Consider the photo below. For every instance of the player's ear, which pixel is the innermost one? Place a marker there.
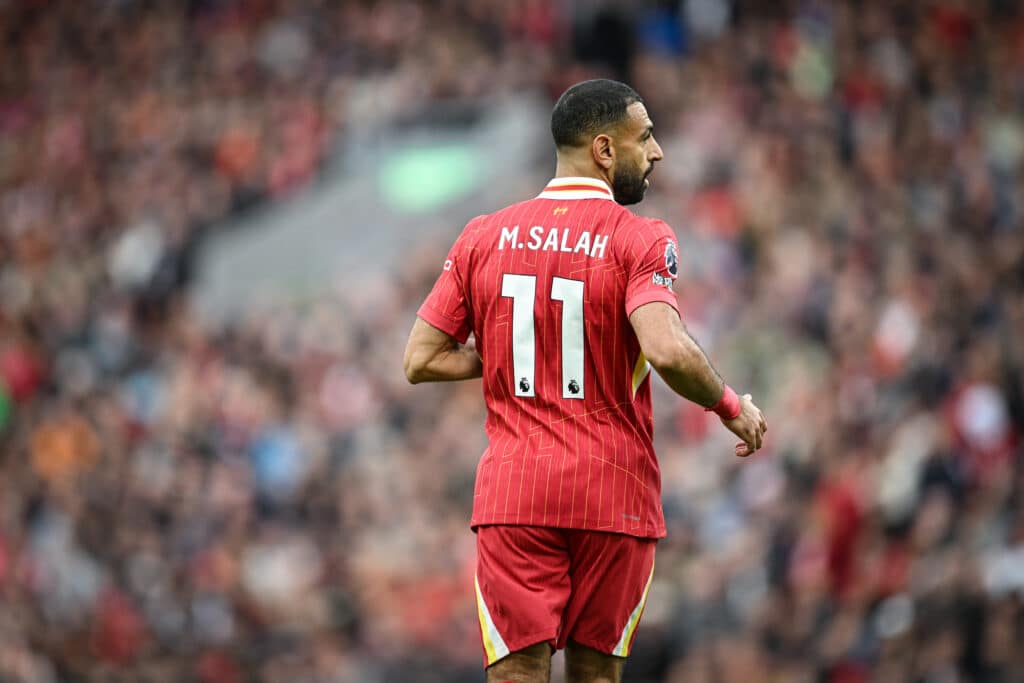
(603, 152)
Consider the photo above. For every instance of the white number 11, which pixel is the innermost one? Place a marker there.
(522, 289)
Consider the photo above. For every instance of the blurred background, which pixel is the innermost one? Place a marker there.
(218, 217)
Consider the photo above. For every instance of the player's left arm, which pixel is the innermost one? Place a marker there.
(435, 356)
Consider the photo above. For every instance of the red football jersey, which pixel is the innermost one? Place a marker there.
(547, 286)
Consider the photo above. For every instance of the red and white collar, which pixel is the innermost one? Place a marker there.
(576, 188)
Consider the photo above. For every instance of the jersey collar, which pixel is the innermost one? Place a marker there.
(576, 188)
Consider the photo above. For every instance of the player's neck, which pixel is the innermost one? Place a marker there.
(567, 169)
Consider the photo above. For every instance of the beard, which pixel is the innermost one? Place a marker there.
(629, 186)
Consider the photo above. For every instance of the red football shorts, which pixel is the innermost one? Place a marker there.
(538, 584)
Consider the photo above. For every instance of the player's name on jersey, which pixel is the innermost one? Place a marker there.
(539, 238)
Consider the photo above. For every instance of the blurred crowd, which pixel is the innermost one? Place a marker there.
(270, 502)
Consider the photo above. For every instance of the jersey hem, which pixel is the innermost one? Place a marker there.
(652, 533)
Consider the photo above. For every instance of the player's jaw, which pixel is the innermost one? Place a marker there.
(630, 184)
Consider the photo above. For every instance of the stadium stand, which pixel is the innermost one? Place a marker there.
(268, 501)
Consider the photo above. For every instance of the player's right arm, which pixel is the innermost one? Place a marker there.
(684, 366)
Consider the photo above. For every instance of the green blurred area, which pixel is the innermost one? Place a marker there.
(423, 179)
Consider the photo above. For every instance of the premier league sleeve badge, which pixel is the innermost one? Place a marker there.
(671, 259)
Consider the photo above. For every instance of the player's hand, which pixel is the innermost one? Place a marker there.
(749, 425)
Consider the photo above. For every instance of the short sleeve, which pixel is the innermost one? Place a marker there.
(447, 306)
(651, 258)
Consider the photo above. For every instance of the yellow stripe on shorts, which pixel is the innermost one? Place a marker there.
(494, 646)
(622, 649)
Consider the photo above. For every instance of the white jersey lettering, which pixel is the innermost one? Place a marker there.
(556, 239)
(510, 237)
(535, 233)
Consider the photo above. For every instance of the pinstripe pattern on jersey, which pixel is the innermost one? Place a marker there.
(551, 461)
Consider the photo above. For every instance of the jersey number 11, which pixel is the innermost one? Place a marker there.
(522, 289)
